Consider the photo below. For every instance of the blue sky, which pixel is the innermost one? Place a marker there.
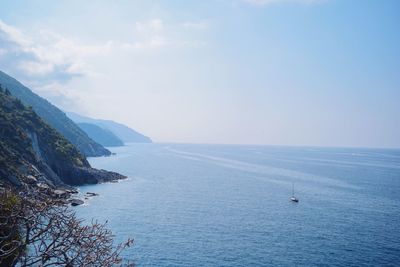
(282, 72)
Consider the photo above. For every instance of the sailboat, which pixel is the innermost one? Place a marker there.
(293, 198)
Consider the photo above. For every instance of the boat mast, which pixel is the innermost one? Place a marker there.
(292, 189)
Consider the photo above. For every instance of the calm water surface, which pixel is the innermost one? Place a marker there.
(220, 205)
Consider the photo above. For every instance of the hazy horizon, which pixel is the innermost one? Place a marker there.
(317, 73)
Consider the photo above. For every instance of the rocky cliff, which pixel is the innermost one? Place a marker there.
(122, 131)
(54, 117)
(102, 136)
(32, 152)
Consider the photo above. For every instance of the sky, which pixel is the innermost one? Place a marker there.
(273, 72)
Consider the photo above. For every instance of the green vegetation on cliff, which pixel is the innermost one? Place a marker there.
(26, 139)
(54, 116)
(32, 151)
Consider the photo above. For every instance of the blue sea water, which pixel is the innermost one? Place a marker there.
(227, 205)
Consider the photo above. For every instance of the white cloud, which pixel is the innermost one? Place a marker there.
(44, 59)
(268, 2)
(39, 68)
(14, 34)
(198, 25)
(153, 25)
(45, 53)
(150, 34)
(155, 33)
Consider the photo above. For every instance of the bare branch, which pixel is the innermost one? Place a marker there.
(37, 230)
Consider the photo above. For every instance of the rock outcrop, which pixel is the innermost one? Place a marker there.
(54, 117)
(32, 153)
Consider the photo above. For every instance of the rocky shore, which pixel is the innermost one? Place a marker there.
(34, 156)
(87, 175)
(66, 193)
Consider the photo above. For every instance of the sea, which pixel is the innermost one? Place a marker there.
(228, 205)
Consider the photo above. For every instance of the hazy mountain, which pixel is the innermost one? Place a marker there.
(54, 116)
(123, 132)
(102, 136)
(32, 152)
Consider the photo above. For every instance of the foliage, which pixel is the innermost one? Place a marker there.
(20, 126)
(53, 116)
(39, 231)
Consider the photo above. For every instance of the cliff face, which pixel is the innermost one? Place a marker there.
(100, 135)
(31, 151)
(122, 131)
(55, 117)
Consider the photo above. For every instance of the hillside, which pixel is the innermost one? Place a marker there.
(31, 151)
(122, 131)
(54, 116)
(100, 135)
